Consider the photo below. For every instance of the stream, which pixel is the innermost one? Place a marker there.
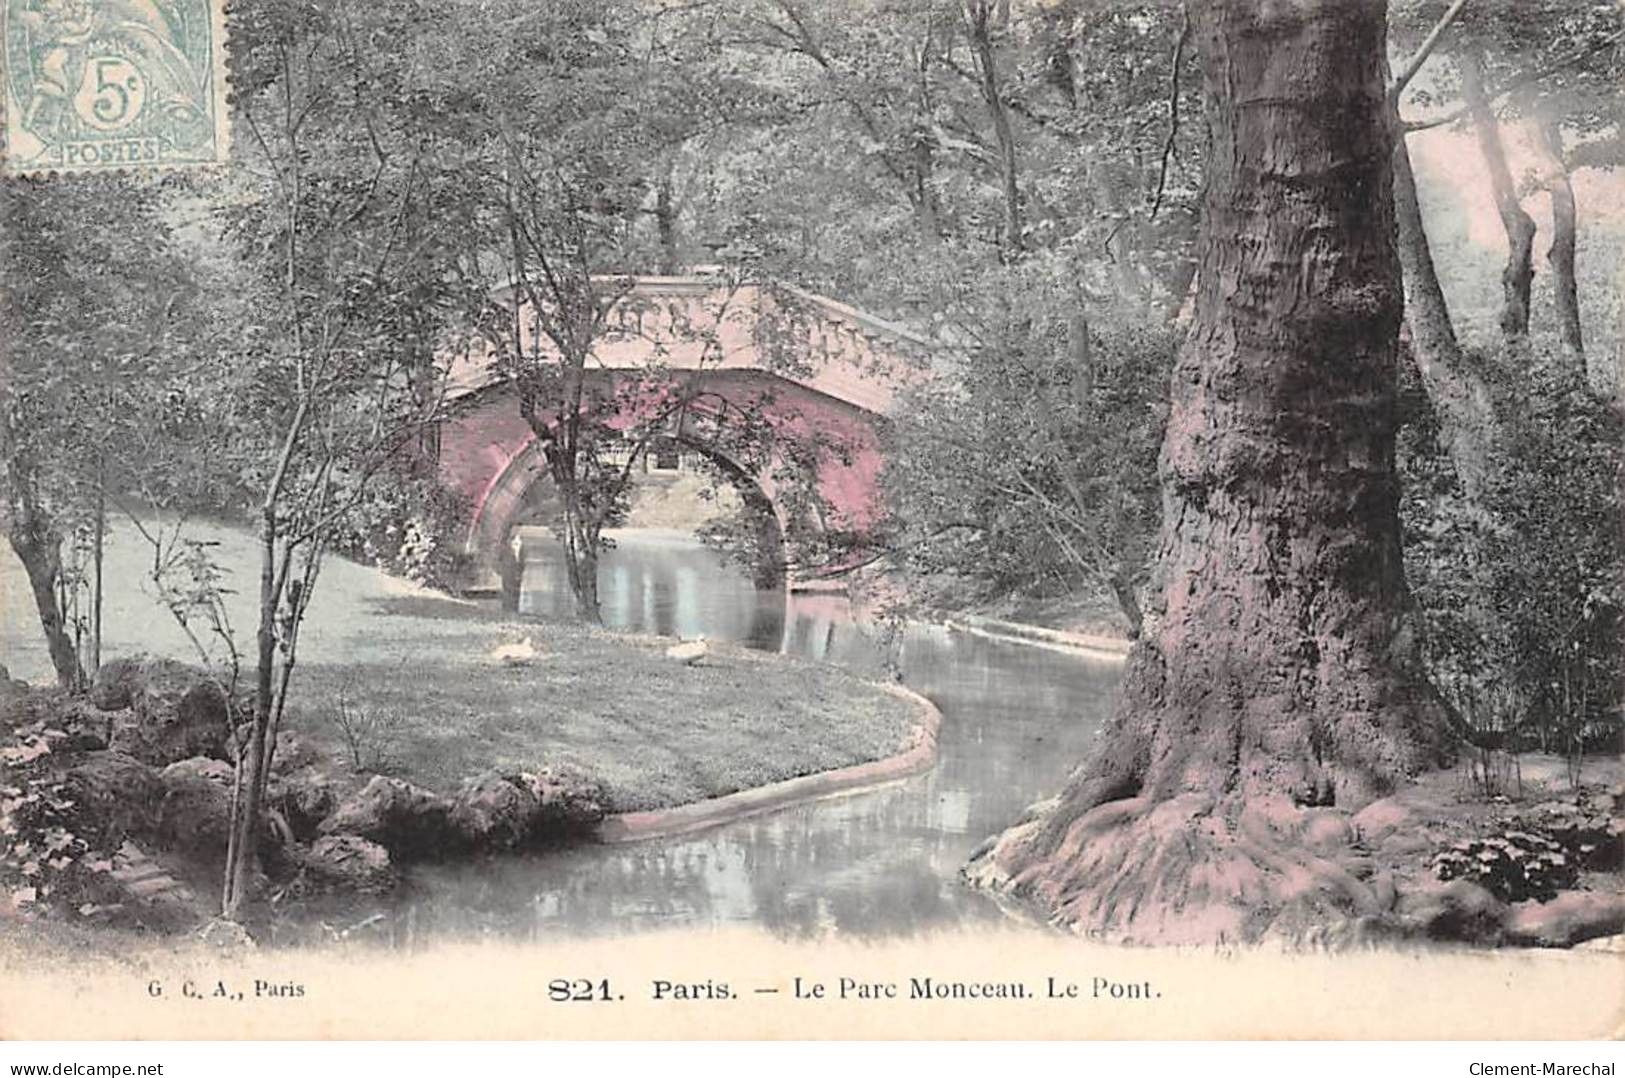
(881, 863)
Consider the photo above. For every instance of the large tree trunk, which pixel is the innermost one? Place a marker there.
(1519, 273)
(1281, 678)
(1460, 395)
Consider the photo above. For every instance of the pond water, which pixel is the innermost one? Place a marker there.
(873, 864)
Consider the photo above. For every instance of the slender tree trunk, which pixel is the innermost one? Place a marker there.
(98, 552)
(980, 15)
(245, 822)
(580, 541)
(1519, 273)
(1280, 678)
(584, 578)
(1128, 602)
(666, 222)
(1461, 397)
(1619, 339)
(1565, 225)
(927, 214)
(41, 555)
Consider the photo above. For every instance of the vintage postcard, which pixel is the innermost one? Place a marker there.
(898, 519)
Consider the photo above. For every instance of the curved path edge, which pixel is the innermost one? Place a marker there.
(919, 755)
(1109, 648)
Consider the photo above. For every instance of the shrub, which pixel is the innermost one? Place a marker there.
(370, 735)
(1033, 470)
(1522, 605)
(408, 524)
(1512, 866)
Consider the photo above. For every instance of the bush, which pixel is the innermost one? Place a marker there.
(409, 525)
(1033, 469)
(1522, 604)
(370, 734)
(1512, 866)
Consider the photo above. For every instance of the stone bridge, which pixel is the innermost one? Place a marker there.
(821, 375)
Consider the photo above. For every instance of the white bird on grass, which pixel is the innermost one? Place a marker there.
(520, 654)
(689, 652)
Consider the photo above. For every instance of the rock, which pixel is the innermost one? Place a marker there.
(1570, 918)
(1381, 818)
(195, 814)
(345, 863)
(10, 691)
(304, 798)
(1458, 910)
(226, 935)
(293, 753)
(116, 796)
(79, 727)
(569, 803)
(170, 711)
(494, 812)
(407, 820)
(116, 682)
(1325, 830)
(28, 706)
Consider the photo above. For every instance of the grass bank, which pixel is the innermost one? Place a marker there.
(430, 705)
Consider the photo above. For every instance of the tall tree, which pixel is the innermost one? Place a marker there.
(1553, 175)
(341, 213)
(1280, 674)
(93, 313)
(1519, 272)
(1457, 387)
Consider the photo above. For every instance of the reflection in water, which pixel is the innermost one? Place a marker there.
(880, 863)
(662, 582)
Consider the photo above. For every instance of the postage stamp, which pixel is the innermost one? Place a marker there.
(92, 85)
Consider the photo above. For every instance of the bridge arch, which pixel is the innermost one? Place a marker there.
(512, 494)
(830, 374)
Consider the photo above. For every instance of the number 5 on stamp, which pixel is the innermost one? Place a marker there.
(106, 84)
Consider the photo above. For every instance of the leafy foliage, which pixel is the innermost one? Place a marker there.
(407, 524)
(1034, 472)
(1513, 866)
(1524, 616)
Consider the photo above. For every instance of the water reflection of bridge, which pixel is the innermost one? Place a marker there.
(668, 584)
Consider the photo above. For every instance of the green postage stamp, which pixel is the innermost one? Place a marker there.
(92, 85)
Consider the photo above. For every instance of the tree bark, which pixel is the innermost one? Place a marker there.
(250, 764)
(1565, 224)
(979, 15)
(1281, 678)
(41, 555)
(1461, 397)
(98, 558)
(1619, 339)
(1122, 584)
(666, 222)
(1519, 273)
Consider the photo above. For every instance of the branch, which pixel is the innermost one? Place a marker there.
(1414, 64)
(1173, 109)
(1538, 75)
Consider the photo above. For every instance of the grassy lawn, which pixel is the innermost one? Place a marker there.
(416, 664)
